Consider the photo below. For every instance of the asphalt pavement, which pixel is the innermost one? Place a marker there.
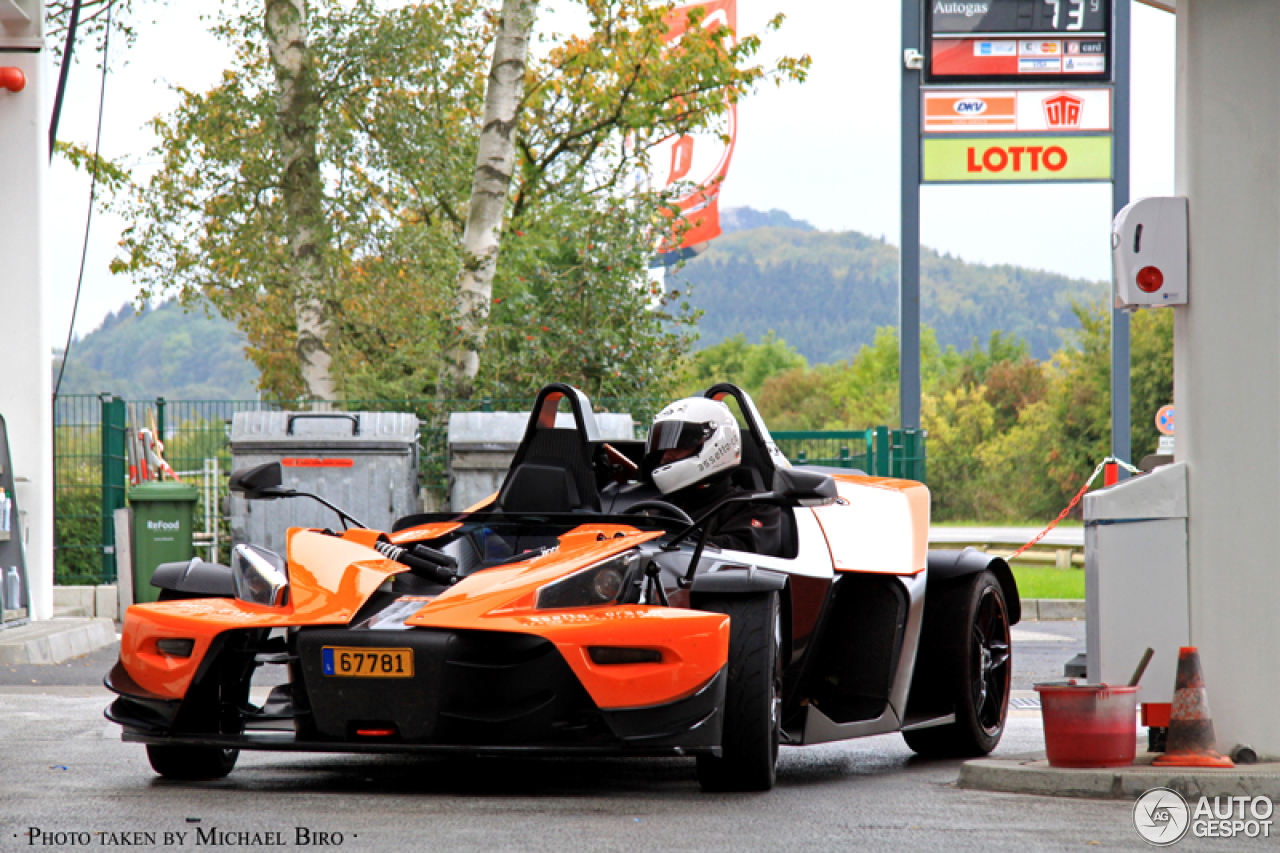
(69, 783)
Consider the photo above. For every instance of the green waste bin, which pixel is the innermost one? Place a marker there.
(162, 531)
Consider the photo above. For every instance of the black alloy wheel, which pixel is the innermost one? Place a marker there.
(990, 667)
(976, 671)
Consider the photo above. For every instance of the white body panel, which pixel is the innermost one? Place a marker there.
(878, 525)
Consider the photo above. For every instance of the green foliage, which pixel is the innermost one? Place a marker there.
(802, 399)
(1050, 422)
(113, 177)
(826, 293)
(78, 524)
(1150, 376)
(92, 29)
(746, 365)
(397, 125)
(1010, 438)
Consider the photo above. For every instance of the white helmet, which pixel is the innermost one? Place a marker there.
(706, 433)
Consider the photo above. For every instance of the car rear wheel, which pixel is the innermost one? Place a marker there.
(753, 697)
(191, 763)
(977, 664)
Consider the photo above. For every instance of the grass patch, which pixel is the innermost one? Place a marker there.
(1048, 582)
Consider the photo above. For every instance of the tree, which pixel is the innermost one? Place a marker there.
(306, 230)
(397, 116)
(735, 360)
(91, 23)
(492, 183)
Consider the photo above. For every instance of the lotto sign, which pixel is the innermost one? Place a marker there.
(1021, 111)
(1017, 159)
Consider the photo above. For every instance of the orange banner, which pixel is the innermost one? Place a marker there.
(702, 159)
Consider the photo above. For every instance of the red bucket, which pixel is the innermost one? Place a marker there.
(1089, 725)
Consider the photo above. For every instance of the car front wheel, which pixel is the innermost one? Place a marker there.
(753, 697)
(191, 763)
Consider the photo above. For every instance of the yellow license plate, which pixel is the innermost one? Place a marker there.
(352, 661)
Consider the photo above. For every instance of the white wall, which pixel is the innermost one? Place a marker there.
(1227, 356)
(25, 394)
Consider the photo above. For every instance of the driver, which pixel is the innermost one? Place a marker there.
(693, 447)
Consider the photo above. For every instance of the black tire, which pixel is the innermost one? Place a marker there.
(753, 697)
(191, 763)
(977, 669)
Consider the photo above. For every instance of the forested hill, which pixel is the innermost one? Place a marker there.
(165, 352)
(825, 293)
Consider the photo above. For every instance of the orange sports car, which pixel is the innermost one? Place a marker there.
(577, 612)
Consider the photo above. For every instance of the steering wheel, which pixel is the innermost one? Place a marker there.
(662, 507)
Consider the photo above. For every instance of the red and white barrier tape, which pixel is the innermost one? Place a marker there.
(1075, 500)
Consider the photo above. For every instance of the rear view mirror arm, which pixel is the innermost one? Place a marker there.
(342, 514)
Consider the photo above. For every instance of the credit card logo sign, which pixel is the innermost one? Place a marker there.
(970, 107)
(995, 48)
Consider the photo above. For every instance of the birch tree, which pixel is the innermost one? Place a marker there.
(494, 161)
(301, 189)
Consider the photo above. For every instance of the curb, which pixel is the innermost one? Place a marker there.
(1033, 775)
(1051, 609)
(55, 640)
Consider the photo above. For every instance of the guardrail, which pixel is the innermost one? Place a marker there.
(1063, 547)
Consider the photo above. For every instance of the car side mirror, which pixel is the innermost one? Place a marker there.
(260, 483)
(798, 487)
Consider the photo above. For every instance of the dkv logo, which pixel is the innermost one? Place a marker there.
(970, 106)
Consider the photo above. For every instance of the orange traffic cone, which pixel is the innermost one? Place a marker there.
(1191, 741)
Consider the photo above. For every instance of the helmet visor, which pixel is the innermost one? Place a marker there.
(670, 441)
(677, 435)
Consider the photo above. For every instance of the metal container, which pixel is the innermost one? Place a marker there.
(482, 445)
(365, 462)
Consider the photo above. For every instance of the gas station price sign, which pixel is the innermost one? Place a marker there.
(1029, 41)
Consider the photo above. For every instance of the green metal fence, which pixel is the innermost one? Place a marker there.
(80, 498)
(91, 466)
(90, 461)
(881, 451)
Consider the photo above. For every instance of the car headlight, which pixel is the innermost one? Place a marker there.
(603, 583)
(260, 575)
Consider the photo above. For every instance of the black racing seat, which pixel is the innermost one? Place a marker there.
(552, 469)
(755, 473)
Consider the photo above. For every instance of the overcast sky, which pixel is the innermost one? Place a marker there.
(826, 151)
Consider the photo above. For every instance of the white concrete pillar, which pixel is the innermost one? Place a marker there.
(1227, 357)
(25, 351)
